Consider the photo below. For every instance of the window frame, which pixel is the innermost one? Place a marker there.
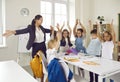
(53, 8)
(3, 24)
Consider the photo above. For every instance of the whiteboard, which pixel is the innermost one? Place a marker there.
(22, 42)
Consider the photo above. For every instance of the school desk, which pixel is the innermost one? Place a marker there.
(103, 67)
(10, 71)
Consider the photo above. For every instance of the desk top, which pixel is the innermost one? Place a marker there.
(105, 66)
(10, 71)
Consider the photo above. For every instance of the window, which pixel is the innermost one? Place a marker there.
(60, 13)
(57, 11)
(54, 11)
(2, 22)
(46, 12)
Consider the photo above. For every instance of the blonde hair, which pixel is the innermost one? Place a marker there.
(52, 43)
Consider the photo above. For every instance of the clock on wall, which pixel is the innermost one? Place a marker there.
(24, 12)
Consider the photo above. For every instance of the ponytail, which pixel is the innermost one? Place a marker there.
(33, 22)
(37, 17)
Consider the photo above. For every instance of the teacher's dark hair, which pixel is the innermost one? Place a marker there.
(37, 17)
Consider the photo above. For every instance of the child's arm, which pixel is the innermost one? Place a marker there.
(52, 32)
(58, 27)
(84, 30)
(90, 25)
(113, 32)
(57, 45)
(58, 38)
(98, 32)
(75, 27)
(70, 30)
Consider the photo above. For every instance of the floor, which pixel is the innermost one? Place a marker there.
(77, 77)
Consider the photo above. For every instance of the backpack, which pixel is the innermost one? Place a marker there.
(36, 66)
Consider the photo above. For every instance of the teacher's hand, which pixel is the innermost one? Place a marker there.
(9, 33)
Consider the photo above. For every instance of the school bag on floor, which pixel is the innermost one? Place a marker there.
(36, 66)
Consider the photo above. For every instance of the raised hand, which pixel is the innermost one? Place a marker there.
(90, 22)
(77, 21)
(80, 23)
(113, 31)
(58, 26)
(68, 24)
(52, 28)
(112, 22)
(97, 23)
(111, 25)
(59, 36)
(90, 25)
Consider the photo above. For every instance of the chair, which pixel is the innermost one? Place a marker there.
(58, 71)
(44, 63)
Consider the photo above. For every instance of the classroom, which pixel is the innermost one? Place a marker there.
(59, 40)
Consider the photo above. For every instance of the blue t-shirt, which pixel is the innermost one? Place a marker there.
(94, 47)
(79, 45)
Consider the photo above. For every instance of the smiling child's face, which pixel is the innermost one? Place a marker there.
(79, 33)
(106, 37)
(65, 34)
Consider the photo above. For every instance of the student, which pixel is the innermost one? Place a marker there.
(108, 43)
(94, 48)
(53, 46)
(37, 35)
(79, 34)
(65, 42)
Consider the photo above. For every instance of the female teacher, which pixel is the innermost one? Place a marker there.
(37, 35)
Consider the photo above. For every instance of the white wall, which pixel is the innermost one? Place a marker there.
(15, 20)
(77, 9)
(107, 8)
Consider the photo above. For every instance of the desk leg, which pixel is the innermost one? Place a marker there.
(100, 78)
(73, 69)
